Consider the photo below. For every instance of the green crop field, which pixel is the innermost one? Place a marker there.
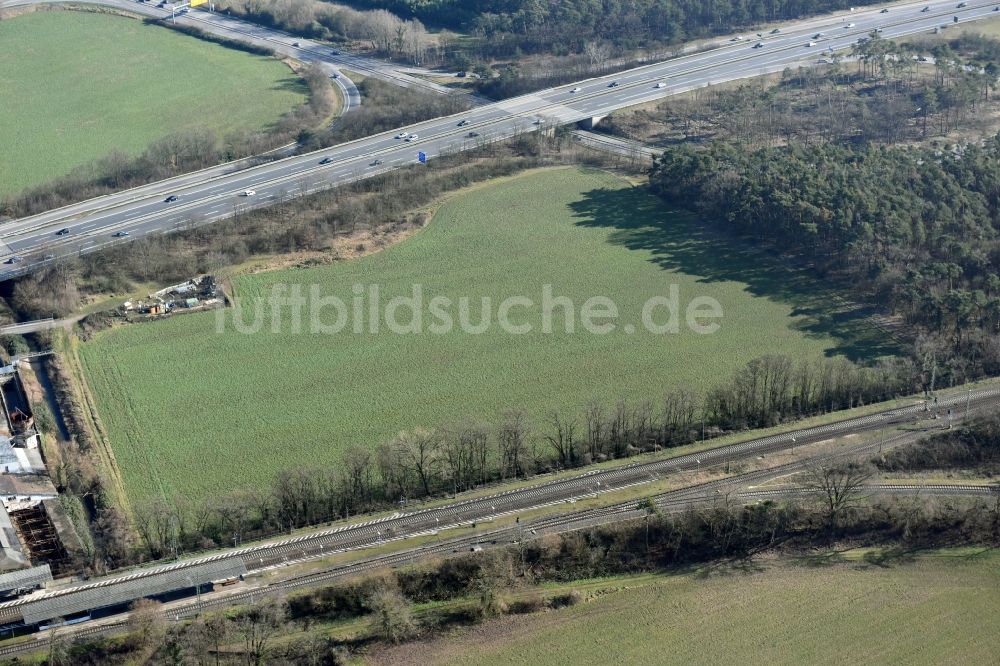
(939, 609)
(74, 86)
(190, 410)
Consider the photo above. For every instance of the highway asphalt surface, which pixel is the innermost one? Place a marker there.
(30, 242)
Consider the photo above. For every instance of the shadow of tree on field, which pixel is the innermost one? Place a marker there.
(678, 241)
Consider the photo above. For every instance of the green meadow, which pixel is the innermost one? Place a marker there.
(191, 410)
(75, 86)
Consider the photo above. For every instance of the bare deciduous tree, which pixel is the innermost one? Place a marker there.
(561, 439)
(512, 438)
(147, 622)
(256, 625)
(840, 485)
(598, 53)
(419, 452)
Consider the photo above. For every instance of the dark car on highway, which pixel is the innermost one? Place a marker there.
(172, 198)
(120, 234)
(62, 232)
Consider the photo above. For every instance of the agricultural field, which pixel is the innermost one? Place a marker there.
(938, 609)
(190, 409)
(75, 86)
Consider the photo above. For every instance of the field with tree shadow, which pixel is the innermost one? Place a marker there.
(680, 241)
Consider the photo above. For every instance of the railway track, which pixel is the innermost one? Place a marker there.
(702, 494)
(965, 490)
(426, 521)
(709, 492)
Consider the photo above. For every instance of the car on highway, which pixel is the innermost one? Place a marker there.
(412, 137)
(463, 123)
(401, 135)
(375, 163)
(808, 44)
(172, 198)
(737, 38)
(48, 257)
(472, 135)
(759, 45)
(296, 44)
(14, 260)
(776, 31)
(63, 232)
(247, 193)
(848, 26)
(963, 5)
(613, 84)
(120, 234)
(926, 9)
(817, 35)
(576, 90)
(661, 84)
(884, 11)
(326, 160)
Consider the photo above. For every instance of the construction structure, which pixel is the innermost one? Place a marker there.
(29, 509)
(36, 530)
(197, 293)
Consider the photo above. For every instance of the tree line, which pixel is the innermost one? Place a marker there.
(914, 228)
(427, 463)
(564, 26)
(385, 33)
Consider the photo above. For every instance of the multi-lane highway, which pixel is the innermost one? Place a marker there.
(30, 242)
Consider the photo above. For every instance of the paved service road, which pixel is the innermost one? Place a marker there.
(35, 241)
